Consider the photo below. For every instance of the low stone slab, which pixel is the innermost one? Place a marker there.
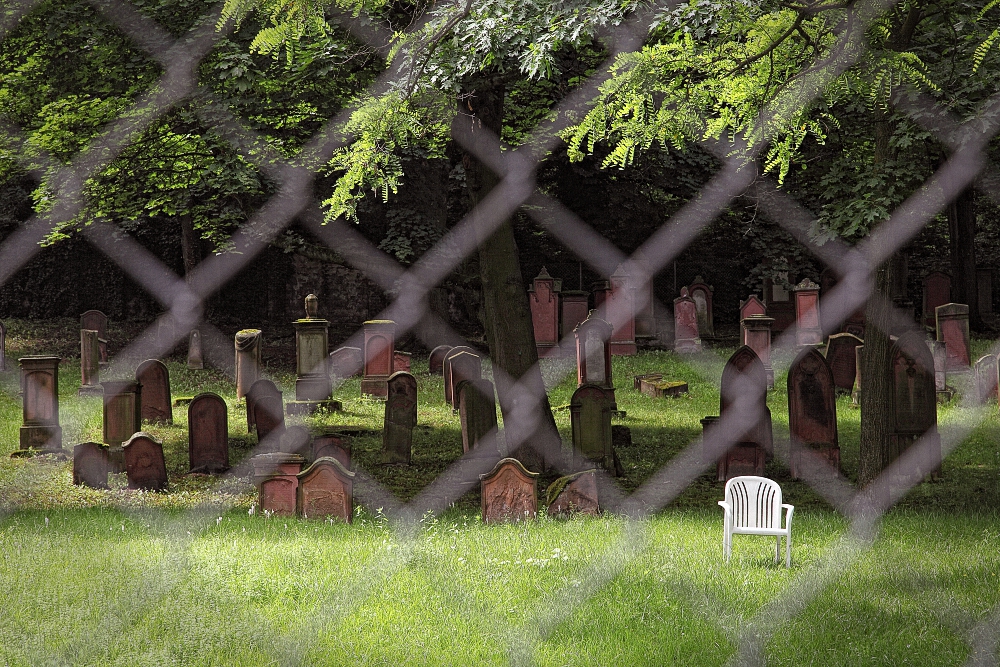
(637, 380)
(663, 388)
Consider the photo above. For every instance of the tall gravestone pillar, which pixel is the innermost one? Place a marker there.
(752, 306)
(312, 383)
(122, 418)
(380, 345)
(196, 356)
(620, 310)
(248, 349)
(807, 327)
(40, 428)
(544, 301)
(90, 366)
(758, 339)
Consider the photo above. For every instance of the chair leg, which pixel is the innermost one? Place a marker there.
(777, 549)
(788, 550)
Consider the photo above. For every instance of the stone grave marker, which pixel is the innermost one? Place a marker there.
(208, 434)
(701, 293)
(477, 411)
(509, 492)
(645, 299)
(154, 378)
(449, 388)
(984, 290)
(400, 418)
(332, 444)
(986, 378)
(312, 382)
(914, 411)
(40, 428)
(686, 338)
(807, 326)
(380, 345)
(812, 414)
(600, 290)
(779, 301)
(937, 292)
(841, 356)
(435, 365)
(90, 366)
(262, 387)
(90, 465)
(462, 366)
(269, 420)
(3, 347)
(590, 416)
(276, 477)
(744, 376)
(757, 330)
(248, 359)
(593, 354)
(939, 351)
(953, 328)
(660, 388)
(544, 301)
(196, 356)
(95, 320)
(326, 489)
(651, 377)
(295, 440)
(122, 417)
(145, 466)
(752, 306)
(347, 362)
(573, 494)
(401, 361)
(620, 309)
(574, 309)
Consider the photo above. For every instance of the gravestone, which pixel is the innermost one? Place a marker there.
(145, 466)
(841, 357)
(744, 378)
(812, 415)
(295, 440)
(752, 306)
(276, 477)
(953, 328)
(477, 411)
(449, 388)
(40, 428)
(95, 320)
(660, 388)
(401, 361)
(590, 416)
(90, 465)
(435, 364)
(593, 354)
(258, 389)
(939, 351)
(3, 347)
(600, 291)
(620, 310)
(984, 290)
(780, 304)
(757, 330)
(269, 420)
(574, 309)
(166, 334)
(702, 296)
(686, 338)
(509, 492)
(248, 359)
(986, 378)
(937, 292)
(90, 366)
(208, 434)
(312, 382)
(122, 417)
(544, 302)
(400, 418)
(573, 494)
(347, 362)
(652, 377)
(154, 378)
(807, 326)
(332, 444)
(914, 409)
(380, 344)
(645, 299)
(196, 356)
(326, 489)
(462, 366)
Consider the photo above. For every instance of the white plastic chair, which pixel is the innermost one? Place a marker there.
(753, 507)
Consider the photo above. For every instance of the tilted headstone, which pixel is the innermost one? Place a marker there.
(380, 344)
(208, 434)
(154, 378)
(914, 409)
(90, 366)
(258, 389)
(334, 445)
(544, 302)
(435, 364)
(400, 418)
(842, 359)
(743, 378)
(312, 381)
(937, 292)
(462, 366)
(986, 378)
(276, 477)
(757, 331)
(953, 328)
(90, 465)
(686, 336)
(812, 415)
(3, 347)
(574, 309)
(326, 489)
(449, 388)
(477, 411)
(807, 326)
(573, 494)
(196, 356)
(40, 428)
(984, 290)
(590, 416)
(620, 311)
(347, 362)
(145, 466)
(122, 417)
(509, 492)
(752, 306)
(95, 320)
(248, 359)
(701, 293)
(401, 361)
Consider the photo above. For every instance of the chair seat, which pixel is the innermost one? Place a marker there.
(759, 531)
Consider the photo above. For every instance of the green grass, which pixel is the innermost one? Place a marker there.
(191, 577)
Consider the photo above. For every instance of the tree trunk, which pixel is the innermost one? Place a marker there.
(507, 315)
(962, 230)
(190, 244)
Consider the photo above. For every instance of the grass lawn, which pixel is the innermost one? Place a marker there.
(194, 577)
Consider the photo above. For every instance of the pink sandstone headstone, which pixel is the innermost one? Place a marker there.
(248, 345)
(477, 411)
(574, 494)
(986, 378)
(380, 345)
(40, 428)
(752, 306)
(90, 465)
(509, 492)
(686, 338)
(401, 361)
(97, 321)
(277, 481)
(620, 311)
(953, 328)
(400, 418)
(90, 367)
(332, 444)
(208, 434)
(449, 387)
(435, 363)
(937, 292)
(757, 330)
(145, 466)
(807, 327)
(744, 378)
(702, 295)
(914, 412)
(544, 302)
(122, 417)
(462, 366)
(154, 378)
(842, 359)
(812, 415)
(326, 489)
(574, 309)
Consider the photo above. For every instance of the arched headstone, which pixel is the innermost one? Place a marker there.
(914, 402)
(462, 366)
(326, 489)
(812, 415)
(154, 378)
(400, 418)
(435, 364)
(509, 492)
(145, 466)
(477, 411)
(90, 465)
(841, 356)
(744, 378)
(208, 434)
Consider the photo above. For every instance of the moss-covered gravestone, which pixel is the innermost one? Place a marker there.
(573, 494)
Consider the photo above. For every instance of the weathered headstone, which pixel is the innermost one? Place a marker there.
(326, 489)
(90, 465)
(401, 361)
(196, 356)
(914, 411)
(347, 362)
(509, 492)
(842, 359)
(145, 466)
(600, 291)
(248, 359)
(645, 299)
(544, 302)
(3, 347)
(752, 306)
(276, 478)
(312, 382)
(701, 293)
(262, 387)
(400, 418)
(380, 343)
(208, 434)
(90, 366)
(154, 378)
(573, 494)
(744, 379)
(939, 351)
(122, 417)
(95, 320)
(757, 331)
(986, 378)
(269, 420)
(462, 366)
(477, 411)
(812, 415)
(574, 309)
(435, 364)
(449, 388)
(780, 304)
(807, 326)
(40, 428)
(295, 440)
(686, 338)
(334, 445)
(937, 292)
(660, 388)
(953, 328)
(593, 354)
(984, 290)
(620, 310)
(590, 416)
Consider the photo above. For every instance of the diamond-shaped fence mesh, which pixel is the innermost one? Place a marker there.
(183, 300)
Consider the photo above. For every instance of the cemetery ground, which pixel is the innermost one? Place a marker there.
(192, 576)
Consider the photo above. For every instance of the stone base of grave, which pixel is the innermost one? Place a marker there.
(309, 407)
(662, 388)
(652, 377)
(41, 438)
(377, 387)
(90, 390)
(623, 349)
(687, 345)
(945, 395)
(276, 478)
(822, 459)
(28, 453)
(310, 388)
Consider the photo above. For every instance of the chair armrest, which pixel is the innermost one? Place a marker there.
(726, 507)
(789, 510)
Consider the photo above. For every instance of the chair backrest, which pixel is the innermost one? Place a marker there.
(756, 502)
